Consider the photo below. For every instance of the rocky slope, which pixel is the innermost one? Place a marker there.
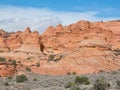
(82, 47)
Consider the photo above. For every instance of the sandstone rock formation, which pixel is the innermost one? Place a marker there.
(85, 47)
(111, 25)
(6, 69)
(26, 41)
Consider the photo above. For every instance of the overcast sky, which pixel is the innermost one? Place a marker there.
(39, 14)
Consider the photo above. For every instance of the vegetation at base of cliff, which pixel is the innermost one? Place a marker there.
(6, 84)
(118, 82)
(78, 81)
(98, 81)
(21, 78)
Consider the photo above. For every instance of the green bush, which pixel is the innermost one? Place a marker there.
(101, 84)
(2, 59)
(72, 86)
(118, 83)
(38, 64)
(9, 78)
(9, 60)
(14, 62)
(6, 84)
(21, 78)
(68, 84)
(28, 69)
(34, 79)
(82, 80)
(75, 87)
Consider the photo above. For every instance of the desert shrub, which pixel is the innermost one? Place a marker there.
(51, 57)
(9, 78)
(38, 64)
(113, 72)
(21, 78)
(82, 80)
(14, 62)
(6, 84)
(68, 84)
(28, 69)
(2, 59)
(9, 60)
(68, 73)
(34, 79)
(101, 84)
(75, 87)
(72, 86)
(74, 73)
(118, 83)
(26, 88)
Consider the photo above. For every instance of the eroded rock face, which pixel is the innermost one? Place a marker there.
(30, 42)
(85, 47)
(3, 46)
(13, 42)
(82, 33)
(111, 25)
(50, 31)
(6, 69)
(26, 41)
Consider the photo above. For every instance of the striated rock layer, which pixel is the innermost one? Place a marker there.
(83, 47)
